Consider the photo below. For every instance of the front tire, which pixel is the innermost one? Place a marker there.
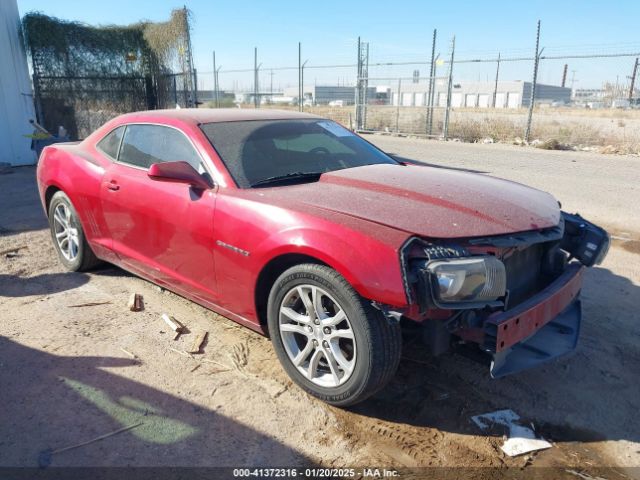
(67, 235)
(330, 340)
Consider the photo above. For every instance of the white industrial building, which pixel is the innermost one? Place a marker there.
(324, 94)
(16, 100)
(508, 94)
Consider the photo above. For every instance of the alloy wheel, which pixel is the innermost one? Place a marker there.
(65, 233)
(317, 335)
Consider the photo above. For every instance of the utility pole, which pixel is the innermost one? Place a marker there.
(633, 80)
(495, 86)
(532, 98)
(564, 75)
(447, 113)
(430, 93)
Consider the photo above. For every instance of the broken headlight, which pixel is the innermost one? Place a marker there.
(584, 240)
(467, 282)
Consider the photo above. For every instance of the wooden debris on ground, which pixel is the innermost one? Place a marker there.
(101, 437)
(136, 302)
(197, 342)
(88, 304)
(13, 250)
(132, 355)
(174, 325)
(181, 352)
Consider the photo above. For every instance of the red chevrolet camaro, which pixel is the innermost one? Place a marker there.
(294, 226)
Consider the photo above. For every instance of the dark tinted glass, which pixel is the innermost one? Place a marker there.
(110, 143)
(144, 145)
(259, 149)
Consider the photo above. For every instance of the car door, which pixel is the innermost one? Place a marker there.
(161, 230)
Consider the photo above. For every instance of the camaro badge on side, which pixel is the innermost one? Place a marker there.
(231, 247)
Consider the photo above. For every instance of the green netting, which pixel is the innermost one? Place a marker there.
(84, 75)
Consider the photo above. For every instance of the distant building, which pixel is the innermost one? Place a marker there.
(508, 94)
(324, 94)
(588, 94)
(209, 95)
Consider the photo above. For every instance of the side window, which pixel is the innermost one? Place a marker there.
(111, 142)
(144, 145)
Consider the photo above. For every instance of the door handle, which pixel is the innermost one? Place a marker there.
(113, 186)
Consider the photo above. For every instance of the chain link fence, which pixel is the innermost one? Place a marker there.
(583, 97)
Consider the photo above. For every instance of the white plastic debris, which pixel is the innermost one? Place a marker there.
(521, 439)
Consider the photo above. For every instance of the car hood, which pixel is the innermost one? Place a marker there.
(425, 201)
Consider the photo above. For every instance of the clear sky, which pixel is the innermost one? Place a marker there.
(396, 31)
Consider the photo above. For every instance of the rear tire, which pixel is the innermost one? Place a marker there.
(333, 344)
(68, 236)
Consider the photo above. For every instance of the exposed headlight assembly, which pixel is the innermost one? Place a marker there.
(471, 282)
(584, 240)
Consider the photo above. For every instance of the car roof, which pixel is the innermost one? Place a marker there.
(213, 115)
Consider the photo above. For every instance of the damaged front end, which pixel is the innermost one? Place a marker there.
(516, 296)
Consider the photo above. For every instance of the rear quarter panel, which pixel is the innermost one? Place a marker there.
(78, 173)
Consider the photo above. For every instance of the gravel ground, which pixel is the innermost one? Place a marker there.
(69, 374)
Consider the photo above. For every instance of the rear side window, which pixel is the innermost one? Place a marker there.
(111, 143)
(144, 145)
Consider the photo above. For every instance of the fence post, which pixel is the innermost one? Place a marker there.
(495, 88)
(175, 91)
(633, 81)
(362, 84)
(195, 88)
(37, 100)
(357, 90)
(300, 76)
(432, 73)
(215, 81)
(532, 99)
(447, 113)
(398, 100)
(302, 84)
(256, 102)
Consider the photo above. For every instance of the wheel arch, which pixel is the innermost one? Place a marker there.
(269, 274)
(48, 195)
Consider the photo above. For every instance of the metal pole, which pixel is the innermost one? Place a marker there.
(633, 80)
(195, 88)
(189, 55)
(564, 75)
(532, 99)
(271, 87)
(447, 113)
(365, 88)
(357, 92)
(255, 77)
(215, 81)
(302, 85)
(299, 76)
(398, 100)
(175, 90)
(218, 86)
(431, 84)
(495, 87)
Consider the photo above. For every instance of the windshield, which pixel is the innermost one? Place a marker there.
(258, 151)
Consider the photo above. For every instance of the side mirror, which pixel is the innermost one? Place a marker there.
(178, 172)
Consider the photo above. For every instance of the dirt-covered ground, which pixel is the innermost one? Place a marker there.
(70, 374)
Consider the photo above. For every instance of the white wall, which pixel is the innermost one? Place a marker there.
(16, 100)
